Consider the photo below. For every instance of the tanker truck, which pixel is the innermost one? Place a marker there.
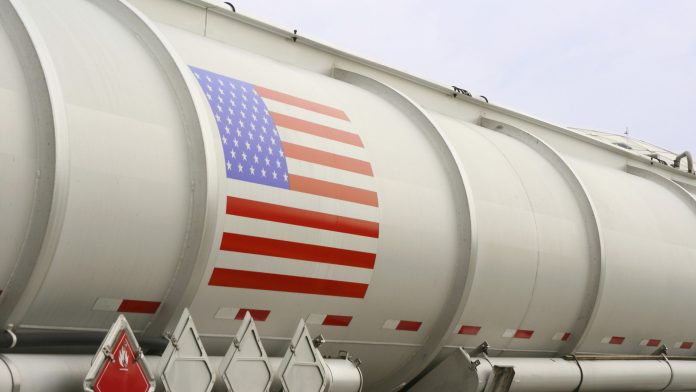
(210, 202)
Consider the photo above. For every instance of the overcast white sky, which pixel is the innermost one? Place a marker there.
(595, 64)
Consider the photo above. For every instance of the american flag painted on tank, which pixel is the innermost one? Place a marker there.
(302, 210)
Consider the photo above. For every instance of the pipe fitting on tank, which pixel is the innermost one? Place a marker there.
(689, 161)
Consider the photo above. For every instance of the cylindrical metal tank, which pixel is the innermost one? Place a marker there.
(159, 154)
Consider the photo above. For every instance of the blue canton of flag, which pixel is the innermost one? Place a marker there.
(250, 139)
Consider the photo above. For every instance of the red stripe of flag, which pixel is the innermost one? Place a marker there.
(256, 314)
(293, 284)
(339, 321)
(315, 129)
(405, 325)
(299, 217)
(135, 306)
(332, 190)
(523, 334)
(301, 103)
(327, 159)
(296, 250)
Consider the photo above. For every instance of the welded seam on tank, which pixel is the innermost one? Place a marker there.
(203, 200)
(30, 271)
(534, 219)
(456, 301)
(590, 219)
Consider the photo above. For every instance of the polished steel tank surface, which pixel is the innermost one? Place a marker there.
(157, 155)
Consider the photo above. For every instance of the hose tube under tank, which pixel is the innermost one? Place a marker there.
(459, 372)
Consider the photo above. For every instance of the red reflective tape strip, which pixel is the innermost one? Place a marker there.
(617, 340)
(300, 217)
(327, 159)
(332, 190)
(340, 321)
(135, 306)
(523, 334)
(293, 284)
(315, 129)
(686, 345)
(256, 314)
(301, 103)
(296, 250)
(408, 325)
(468, 330)
(653, 342)
(565, 337)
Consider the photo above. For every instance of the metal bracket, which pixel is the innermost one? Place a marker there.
(481, 349)
(235, 342)
(459, 90)
(356, 361)
(170, 336)
(108, 353)
(656, 157)
(662, 350)
(343, 354)
(318, 341)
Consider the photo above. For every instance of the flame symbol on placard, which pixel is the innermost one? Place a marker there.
(123, 358)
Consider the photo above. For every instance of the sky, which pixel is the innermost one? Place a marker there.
(606, 65)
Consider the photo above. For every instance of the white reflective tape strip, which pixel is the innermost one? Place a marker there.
(391, 324)
(606, 339)
(509, 333)
(107, 304)
(291, 267)
(644, 342)
(300, 234)
(227, 313)
(305, 201)
(315, 318)
(558, 336)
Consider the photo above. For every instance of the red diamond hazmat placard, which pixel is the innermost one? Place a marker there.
(118, 365)
(124, 373)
